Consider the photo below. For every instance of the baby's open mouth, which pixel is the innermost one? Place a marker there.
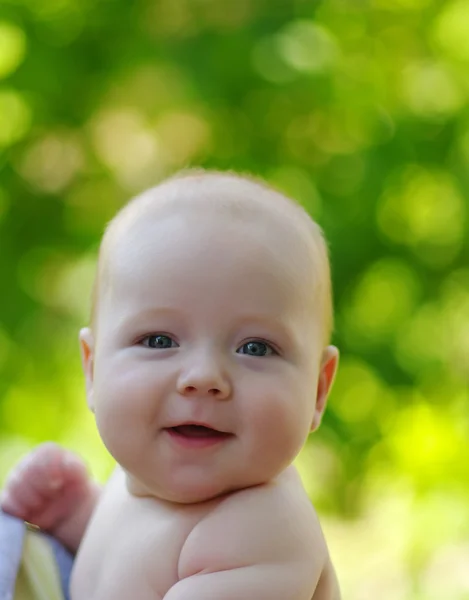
(198, 431)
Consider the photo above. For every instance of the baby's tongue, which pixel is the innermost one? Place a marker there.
(196, 431)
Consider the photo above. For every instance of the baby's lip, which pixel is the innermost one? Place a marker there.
(197, 427)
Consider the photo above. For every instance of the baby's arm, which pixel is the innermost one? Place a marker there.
(257, 548)
(52, 489)
(266, 582)
(262, 582)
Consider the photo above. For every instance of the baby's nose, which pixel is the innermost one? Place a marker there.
(207, 379)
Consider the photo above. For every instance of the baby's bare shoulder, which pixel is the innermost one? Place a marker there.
(269, 524)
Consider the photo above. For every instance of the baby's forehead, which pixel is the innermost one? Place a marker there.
(214, 205)
(218, 203)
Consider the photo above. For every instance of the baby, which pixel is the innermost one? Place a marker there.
(207, 364)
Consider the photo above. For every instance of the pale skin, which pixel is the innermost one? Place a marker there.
(205, 373)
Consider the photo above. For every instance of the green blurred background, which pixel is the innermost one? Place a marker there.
(358, 108)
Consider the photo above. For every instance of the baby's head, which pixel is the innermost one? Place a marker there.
(207, 359)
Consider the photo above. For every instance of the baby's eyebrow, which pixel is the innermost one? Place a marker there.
(160, 311)
(277, 325)
(149, 314)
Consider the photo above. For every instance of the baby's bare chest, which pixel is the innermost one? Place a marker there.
(131, 551)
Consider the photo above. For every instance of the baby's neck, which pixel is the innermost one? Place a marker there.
(139, 489)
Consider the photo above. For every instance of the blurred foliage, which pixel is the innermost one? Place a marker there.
(356, 108)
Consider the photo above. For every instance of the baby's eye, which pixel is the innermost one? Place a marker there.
(159, 341)
(256, 348)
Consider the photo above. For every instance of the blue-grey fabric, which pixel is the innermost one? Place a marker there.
(64, 562)
(11, 547)
(12, 532)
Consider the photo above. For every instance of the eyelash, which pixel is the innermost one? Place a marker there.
(272, 350)
(146, 338)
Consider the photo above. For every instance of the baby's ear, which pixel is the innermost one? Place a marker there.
(329, 362)
(87, 359)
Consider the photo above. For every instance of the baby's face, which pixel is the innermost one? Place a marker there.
(207, 355)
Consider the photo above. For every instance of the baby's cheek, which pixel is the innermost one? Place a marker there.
(130, 396)
(122, 382)
(279, 419)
